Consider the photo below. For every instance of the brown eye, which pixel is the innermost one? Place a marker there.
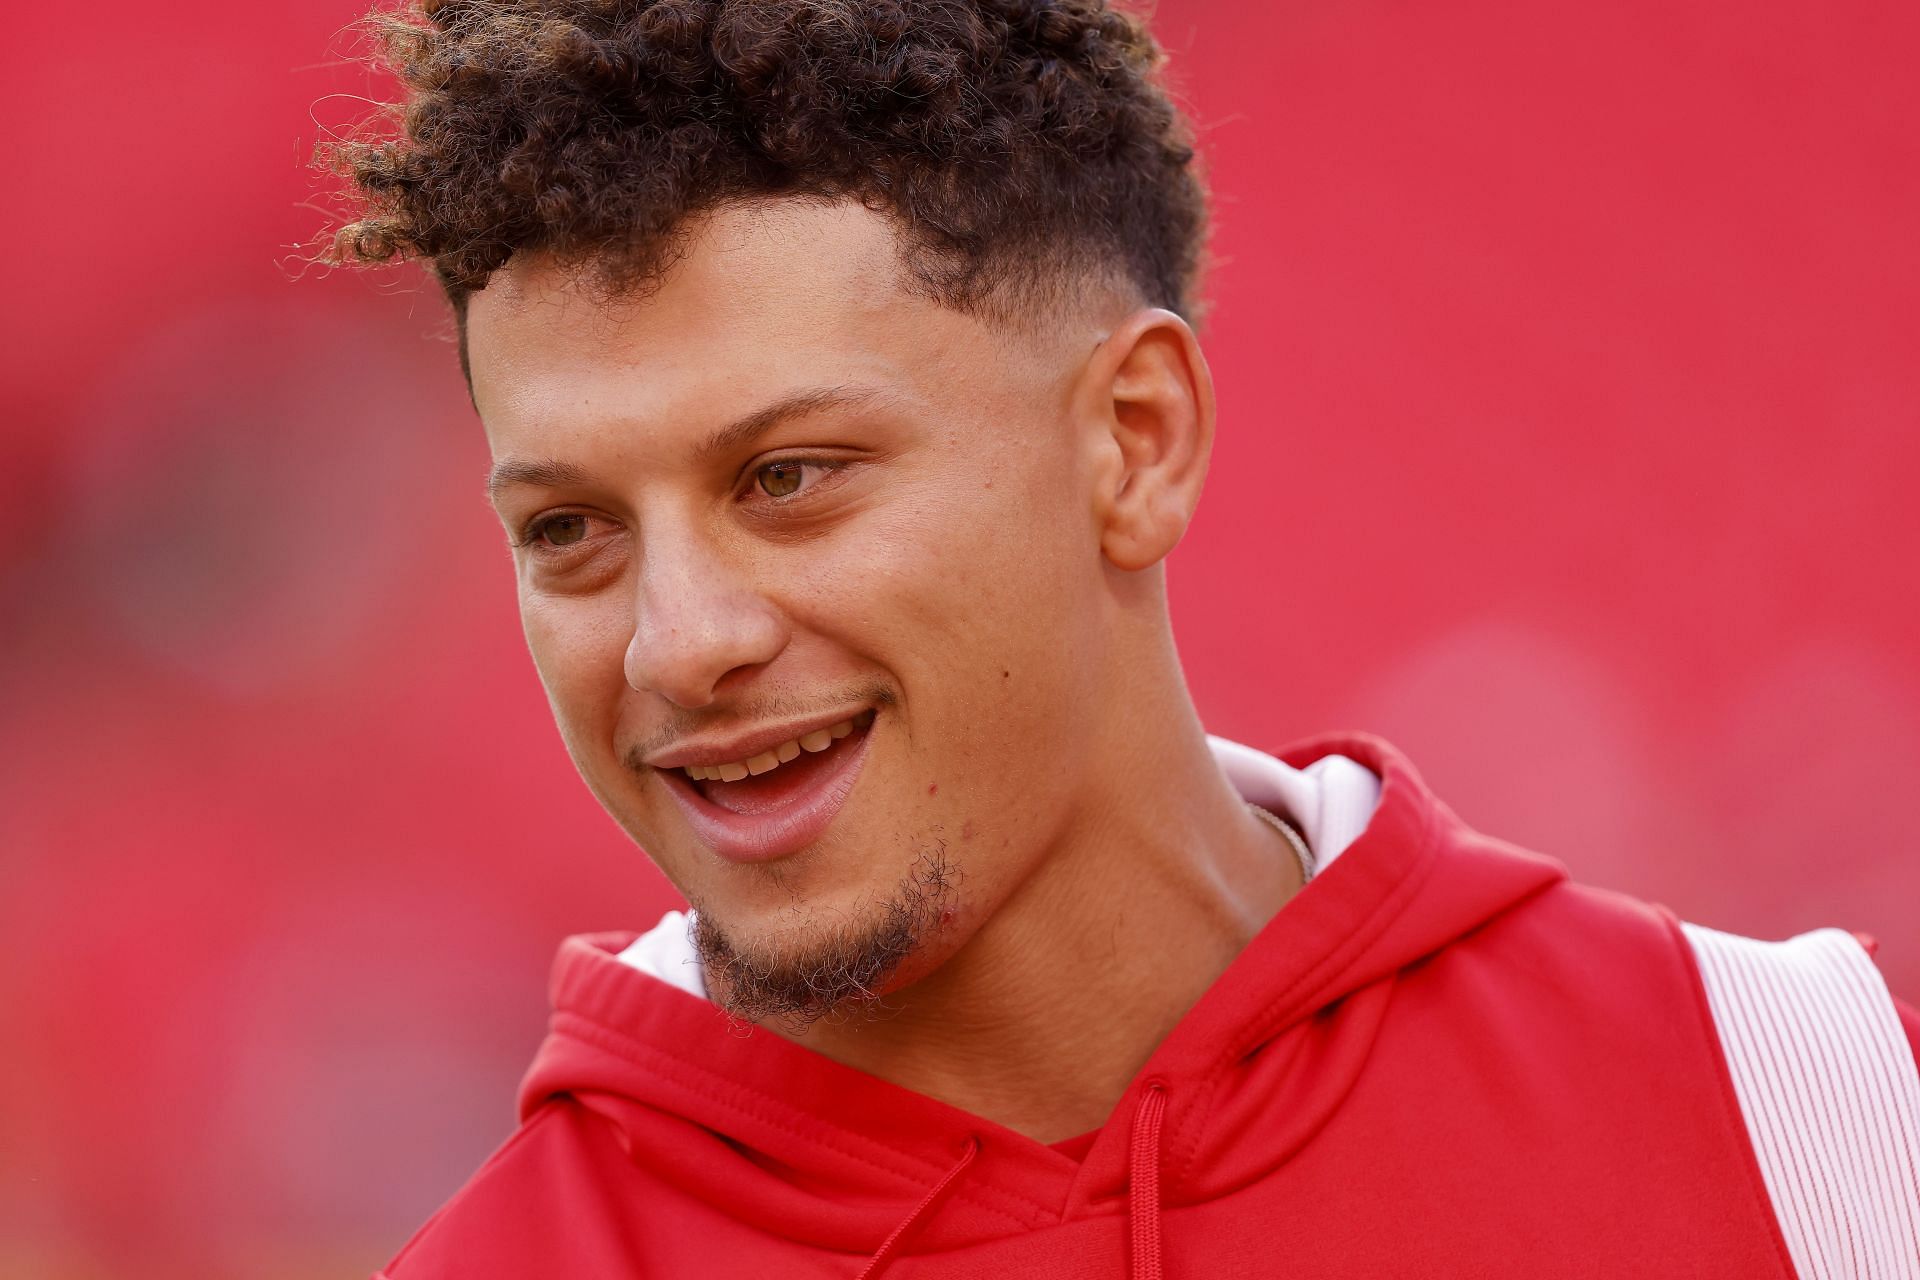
(779, 479)
(559, 531)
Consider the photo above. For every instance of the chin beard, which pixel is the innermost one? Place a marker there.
(840, 973)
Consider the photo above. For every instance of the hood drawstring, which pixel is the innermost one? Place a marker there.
(890, 1247)
(1143, 1183)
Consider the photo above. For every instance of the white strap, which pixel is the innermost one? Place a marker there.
(1828, 1088)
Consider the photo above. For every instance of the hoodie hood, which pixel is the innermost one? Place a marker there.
(769, 1133)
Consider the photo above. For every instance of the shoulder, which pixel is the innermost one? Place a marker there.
(520, 1213)
(1596, 965)
(1756, 995)
(1822, 1061)
(1602, 941)
(1817, 1063)
(1809, 1006)
(1595, 954)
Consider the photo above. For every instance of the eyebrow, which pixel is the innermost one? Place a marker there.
(745, 430)
(547, 472)
(742, 431)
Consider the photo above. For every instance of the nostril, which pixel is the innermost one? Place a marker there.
(689, 650)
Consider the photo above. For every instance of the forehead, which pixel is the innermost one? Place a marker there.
(766, 296)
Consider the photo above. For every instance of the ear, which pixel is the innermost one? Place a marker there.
(1146, 401)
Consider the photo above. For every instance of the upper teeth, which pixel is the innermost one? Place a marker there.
(818, 740)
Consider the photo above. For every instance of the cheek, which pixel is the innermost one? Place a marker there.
(578, 647)
(1012, 584)
(945, 577)
(982, 603)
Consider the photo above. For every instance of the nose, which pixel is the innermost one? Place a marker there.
(697, 618)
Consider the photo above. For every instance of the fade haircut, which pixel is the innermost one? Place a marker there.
(1021, 147)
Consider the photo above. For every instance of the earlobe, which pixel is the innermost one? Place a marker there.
(1148, 398)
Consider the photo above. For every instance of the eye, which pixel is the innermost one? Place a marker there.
(562, 529)
(785, 478)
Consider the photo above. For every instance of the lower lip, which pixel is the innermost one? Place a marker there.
(762, 837)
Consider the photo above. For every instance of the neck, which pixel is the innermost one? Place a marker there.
(1054, 1004)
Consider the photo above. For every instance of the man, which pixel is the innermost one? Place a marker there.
(842, 409)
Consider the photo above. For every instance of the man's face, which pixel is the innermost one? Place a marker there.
(782, 512)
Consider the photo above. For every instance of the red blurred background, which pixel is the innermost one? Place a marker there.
(1569, 383)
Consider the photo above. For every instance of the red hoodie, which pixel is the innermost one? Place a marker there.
(1440, 1058)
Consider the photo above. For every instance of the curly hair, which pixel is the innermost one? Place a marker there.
(1017, 144)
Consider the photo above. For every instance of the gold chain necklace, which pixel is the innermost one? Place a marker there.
(1294, 839)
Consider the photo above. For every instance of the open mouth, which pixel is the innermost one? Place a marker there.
(777, 801)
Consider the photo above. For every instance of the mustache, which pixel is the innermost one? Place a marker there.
(773, 707)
